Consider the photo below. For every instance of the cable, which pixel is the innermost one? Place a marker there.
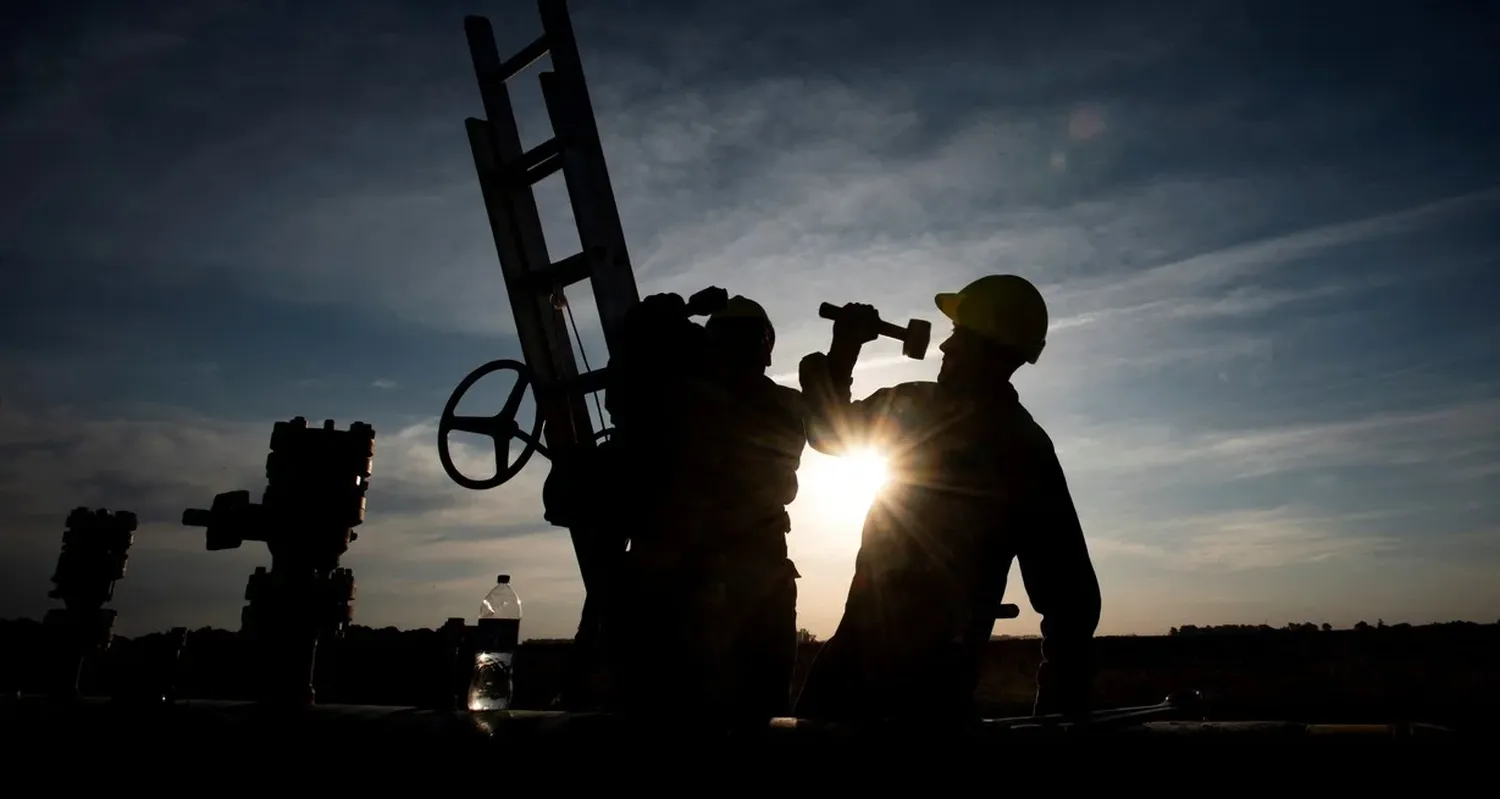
(561, 300)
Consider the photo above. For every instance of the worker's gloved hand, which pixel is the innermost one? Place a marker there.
(856, 324)
(664, 305)
(707, 301)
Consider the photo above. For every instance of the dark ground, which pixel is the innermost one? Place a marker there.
(1445, 674)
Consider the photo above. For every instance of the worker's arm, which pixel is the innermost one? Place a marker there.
(656, 313)
(1064, 590)
(834, 423)
(789, 438)
(641, 331)
(826, 402)
(656, 335)
(655, 310)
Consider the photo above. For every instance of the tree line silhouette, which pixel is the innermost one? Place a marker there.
(1310, 627)
(1445, 673)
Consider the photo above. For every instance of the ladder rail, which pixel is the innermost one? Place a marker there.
(586, 171)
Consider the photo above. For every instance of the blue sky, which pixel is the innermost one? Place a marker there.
(1266, 231)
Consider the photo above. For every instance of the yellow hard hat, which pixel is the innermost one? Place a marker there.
(1006, 309)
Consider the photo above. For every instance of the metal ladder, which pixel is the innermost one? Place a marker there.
(507, 175)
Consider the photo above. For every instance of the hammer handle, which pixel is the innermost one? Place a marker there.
(830, 311)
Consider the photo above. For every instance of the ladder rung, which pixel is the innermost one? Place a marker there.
(518, 63)
(573, 269)
(589, 382)
(540, 162)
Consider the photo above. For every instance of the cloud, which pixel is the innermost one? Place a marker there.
(1262, 538)
(1268, 277)
(798, 184)
(1444, 438)
(1157, 289)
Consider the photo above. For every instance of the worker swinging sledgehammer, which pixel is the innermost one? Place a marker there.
(975, 484)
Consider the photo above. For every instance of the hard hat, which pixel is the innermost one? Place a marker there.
(1006, 309)
(740, 307)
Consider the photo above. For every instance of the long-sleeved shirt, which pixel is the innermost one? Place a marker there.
(709, 460)
(975, 484)
(743, 445)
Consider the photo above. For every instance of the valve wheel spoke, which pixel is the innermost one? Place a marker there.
(512, 404)
(488, 426)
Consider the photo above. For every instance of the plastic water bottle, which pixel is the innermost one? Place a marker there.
(499, 634)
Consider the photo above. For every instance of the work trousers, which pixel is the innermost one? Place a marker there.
(762, 618)
(899, 654)
(720, 643)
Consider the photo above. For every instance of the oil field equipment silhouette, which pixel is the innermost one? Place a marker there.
(95, 547)
(317, 479)
(315, 497)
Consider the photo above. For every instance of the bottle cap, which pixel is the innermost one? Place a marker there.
(503, 579)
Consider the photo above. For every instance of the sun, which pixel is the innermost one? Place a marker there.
(843, 487)
(860, 476)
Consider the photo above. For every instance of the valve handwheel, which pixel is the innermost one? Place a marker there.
(500, 428)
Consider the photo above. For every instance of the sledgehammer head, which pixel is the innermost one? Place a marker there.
(918, 336)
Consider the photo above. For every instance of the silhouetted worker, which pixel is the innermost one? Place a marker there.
(623, 488)
(975, 483)
(706, 449)
(661, 352)
(753, 437)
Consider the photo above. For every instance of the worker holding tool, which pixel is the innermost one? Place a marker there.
(975, 484)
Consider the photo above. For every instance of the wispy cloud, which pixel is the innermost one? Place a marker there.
(1444, 438)
(1265, 538)
(1273, 332)
(1191, 287)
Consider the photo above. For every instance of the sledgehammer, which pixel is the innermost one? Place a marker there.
(914, 337)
